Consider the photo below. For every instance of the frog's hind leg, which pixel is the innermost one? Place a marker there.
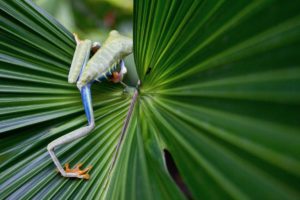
(78, 133)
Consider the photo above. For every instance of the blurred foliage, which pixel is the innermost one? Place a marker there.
(100, 16)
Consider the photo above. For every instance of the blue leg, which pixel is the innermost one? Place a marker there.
(78, 133)
(87, 102)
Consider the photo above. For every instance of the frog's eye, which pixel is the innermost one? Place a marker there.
(80, 58)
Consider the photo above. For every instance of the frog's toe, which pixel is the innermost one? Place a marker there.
(76, 38)
(76, 170)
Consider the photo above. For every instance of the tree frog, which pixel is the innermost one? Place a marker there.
(106, 63)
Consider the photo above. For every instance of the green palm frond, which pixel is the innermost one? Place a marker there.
(220, 91)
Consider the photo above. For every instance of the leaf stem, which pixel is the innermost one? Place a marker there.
(124, 128)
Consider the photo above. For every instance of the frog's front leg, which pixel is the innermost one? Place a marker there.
(76, 172)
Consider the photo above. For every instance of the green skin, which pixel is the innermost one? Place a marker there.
(84, 72)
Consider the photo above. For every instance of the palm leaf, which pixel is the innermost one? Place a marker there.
(220, 92)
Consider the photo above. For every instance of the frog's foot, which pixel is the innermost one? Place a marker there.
(76, 38)
(77, 171)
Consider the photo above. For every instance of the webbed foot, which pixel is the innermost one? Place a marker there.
(77, 172)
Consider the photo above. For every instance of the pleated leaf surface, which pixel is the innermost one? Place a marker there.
(220, 91)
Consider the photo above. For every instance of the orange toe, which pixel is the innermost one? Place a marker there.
(78, 166)
(67, 166)
(86, 176)
(78, 171)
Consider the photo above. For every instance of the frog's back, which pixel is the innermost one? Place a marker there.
(113, 50)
